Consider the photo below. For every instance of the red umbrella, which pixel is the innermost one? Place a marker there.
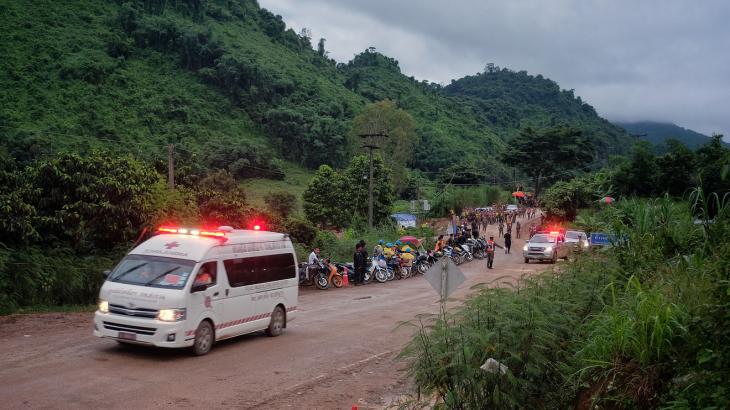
(518, 194)
(607, 200)
(412, 240)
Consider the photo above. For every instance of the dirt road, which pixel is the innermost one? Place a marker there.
(340, 351)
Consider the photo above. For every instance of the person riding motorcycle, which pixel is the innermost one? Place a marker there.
(378, 249)
(313, 263)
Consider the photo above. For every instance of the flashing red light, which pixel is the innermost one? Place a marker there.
(193, 232)
(257, 227)
(554, 233)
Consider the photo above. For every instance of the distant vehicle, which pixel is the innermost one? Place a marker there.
(485, 209)
(546, 247)
(577, 240)
(193, 287)
(512, 208)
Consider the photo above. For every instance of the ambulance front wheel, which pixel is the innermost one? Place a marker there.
(203, 338)
(277, 322)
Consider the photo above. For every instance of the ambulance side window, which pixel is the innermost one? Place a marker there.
(207, 274)
(259, 269)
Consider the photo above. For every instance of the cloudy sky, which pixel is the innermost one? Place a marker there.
(664, 60)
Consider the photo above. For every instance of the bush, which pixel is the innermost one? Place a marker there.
(301, 231)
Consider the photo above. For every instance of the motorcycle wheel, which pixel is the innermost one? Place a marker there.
(422, 268)
(381, 275)
(390, 274)
(337, 281)
(321, 282)
(368, 277)
(469, 257)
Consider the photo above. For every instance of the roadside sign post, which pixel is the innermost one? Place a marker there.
(444, 278)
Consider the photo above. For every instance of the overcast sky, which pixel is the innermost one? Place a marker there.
(663, 60)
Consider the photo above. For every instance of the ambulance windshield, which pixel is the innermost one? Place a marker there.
(154, 271)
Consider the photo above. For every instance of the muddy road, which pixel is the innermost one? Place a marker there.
(340, 351)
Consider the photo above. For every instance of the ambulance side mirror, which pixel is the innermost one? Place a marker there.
(198, 288)
(106, 273)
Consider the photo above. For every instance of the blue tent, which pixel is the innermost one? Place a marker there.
(407, 220)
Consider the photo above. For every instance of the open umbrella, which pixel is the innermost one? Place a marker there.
(518, 194)
(606, 200)
(412, 240)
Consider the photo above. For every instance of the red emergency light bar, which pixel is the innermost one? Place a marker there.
(193, 232)
(554, 233)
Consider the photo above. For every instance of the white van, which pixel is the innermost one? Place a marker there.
(190, 287)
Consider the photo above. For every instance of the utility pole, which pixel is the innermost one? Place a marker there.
(369, 144)
(170, 167)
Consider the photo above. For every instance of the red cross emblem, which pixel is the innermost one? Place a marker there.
(207, 302)
(172, 245)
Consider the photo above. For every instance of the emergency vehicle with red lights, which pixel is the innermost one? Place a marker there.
(192, 287)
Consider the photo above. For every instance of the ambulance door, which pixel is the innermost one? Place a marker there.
(207, 303)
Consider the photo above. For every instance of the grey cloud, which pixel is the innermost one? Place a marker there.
(664, 60)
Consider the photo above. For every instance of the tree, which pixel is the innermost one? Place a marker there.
(97, 201)
(712, 158)
(398, 148)
(550, 154)
(222, 201)
(322, 202)
(640, 175)
(355, 189)
(320, 48)
(281, 203)
(677, 168)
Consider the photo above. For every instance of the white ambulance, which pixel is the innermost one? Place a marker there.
(192, 287)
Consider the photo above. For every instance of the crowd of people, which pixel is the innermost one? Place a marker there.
(471, 223)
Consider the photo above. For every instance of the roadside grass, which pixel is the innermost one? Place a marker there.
(643, 325)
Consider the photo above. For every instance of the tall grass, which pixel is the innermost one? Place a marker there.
(642, 325)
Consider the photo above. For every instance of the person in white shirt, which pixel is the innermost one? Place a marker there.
(313, 261)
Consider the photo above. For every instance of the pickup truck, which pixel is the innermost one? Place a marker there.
(545, 247)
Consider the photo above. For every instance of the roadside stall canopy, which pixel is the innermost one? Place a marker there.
(406, 220)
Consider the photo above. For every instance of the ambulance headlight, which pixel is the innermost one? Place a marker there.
(548, 249)
(524, 248)
(103, 306)
(171, 315)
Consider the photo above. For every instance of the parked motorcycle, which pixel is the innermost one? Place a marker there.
(378, 272)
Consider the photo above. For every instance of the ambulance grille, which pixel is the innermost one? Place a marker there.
(136, 312)
(129, 328)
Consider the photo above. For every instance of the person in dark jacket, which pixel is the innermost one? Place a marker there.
(507, 242)
(358, 263)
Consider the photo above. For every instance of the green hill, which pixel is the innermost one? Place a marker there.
(511, 100)
(659, 132)
(231, 87)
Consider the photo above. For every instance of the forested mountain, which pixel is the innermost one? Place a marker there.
(231, 87)
(659, 132)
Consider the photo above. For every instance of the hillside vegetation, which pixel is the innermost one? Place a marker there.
(659, 132)
(231, 87)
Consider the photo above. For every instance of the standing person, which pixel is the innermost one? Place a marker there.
(475, 228)
(507, 242)
(359, 265)
(364, 256)
(517, 229)
(490, 251)
(501, 228)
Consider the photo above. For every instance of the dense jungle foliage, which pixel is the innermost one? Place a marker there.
(226, 81)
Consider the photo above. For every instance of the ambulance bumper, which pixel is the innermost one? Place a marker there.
(151, 332)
